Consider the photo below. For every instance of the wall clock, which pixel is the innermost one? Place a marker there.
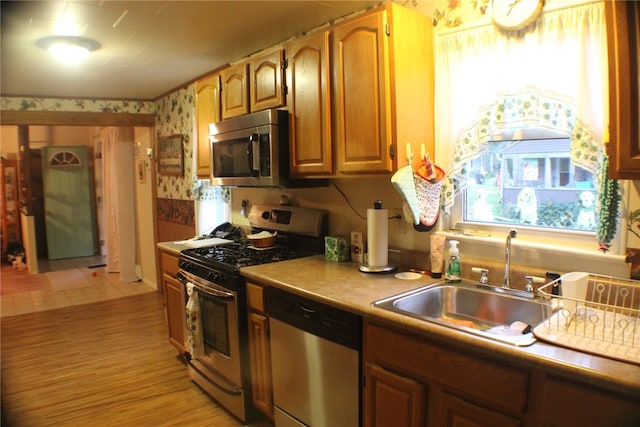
(515, 14)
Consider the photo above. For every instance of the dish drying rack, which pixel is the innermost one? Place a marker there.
(603, 320)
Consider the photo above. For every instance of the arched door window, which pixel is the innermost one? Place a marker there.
(65, 158)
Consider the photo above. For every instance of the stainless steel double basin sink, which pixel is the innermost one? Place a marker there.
(492, 312)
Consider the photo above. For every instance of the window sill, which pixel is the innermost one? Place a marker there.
(541, 255)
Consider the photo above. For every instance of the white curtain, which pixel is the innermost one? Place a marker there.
(562, 56)
(118, 178)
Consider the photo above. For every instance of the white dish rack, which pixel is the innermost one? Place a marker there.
(601, 317)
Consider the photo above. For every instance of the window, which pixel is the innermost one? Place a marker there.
(529, 182)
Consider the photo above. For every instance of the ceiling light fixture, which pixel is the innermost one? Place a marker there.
(68, 49)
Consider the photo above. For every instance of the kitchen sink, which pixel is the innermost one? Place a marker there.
(492, 312)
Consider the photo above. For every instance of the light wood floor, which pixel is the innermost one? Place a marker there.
(62, 283)
(102, 364)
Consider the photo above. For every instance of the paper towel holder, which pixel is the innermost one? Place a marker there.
(378, 268)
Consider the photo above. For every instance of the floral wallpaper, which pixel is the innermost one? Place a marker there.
(453, 13)
(449, 14)
(175, 115)
(9, 103)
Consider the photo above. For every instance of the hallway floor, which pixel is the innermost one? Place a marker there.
(61, 283)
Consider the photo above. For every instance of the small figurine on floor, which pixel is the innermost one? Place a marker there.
(18, 264)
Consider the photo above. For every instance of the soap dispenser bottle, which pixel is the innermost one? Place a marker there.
(454, 267)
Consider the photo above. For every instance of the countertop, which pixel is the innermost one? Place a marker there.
(180, 245)
(171, 247)
(343, 285)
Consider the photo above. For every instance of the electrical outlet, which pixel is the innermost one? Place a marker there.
(397, 225)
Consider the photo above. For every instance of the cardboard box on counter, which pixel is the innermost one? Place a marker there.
(357, 246)
(337, 248)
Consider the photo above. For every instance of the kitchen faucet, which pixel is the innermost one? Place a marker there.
(507, 258)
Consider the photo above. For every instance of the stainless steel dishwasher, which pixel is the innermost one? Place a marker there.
(315, 357)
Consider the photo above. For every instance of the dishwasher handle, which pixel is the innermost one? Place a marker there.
(308, 313)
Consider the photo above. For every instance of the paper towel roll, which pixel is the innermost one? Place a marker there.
(377, 237)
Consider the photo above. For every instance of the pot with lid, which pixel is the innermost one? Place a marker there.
(263, 239)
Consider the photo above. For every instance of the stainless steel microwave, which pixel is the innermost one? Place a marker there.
(253, 151)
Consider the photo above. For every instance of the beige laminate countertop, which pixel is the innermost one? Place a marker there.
(172, 247)
(344, 286)
(180, 245)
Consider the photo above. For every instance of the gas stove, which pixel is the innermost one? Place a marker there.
(233, 256)
(301, 233)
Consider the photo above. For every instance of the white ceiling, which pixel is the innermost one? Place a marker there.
(147, 48)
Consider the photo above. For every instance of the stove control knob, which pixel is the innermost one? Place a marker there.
(187, 266)
(215, 277)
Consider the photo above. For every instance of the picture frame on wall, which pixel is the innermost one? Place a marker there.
(171, 155)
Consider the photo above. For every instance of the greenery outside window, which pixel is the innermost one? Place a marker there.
(529, 182)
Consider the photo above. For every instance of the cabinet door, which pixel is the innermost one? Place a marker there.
(265, 73)
(309, 102)
(175, 301)
(362, 93)
(569, 403)
(260, 360)
(207, 111)
(623, 27)
(456, 412)
(392, 400)
(235, 90)
(169, 264)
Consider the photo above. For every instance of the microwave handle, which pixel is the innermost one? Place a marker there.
(254, 155)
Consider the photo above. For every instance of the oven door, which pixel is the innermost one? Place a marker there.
(218, 310)
(236, 154)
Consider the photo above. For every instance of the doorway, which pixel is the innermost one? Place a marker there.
(146, 218)
(69, 202)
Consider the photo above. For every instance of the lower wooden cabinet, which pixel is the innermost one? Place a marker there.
(457, 412)
(566, 402)
(425, 384)
(174, 295)
(412, 381)
(392, 400)
(259, 352)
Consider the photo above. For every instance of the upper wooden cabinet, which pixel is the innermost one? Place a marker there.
(309, 104)
(383, 89)
(375, 72)
(235, 90)
(207, 111)
(265, 73)
(623, 26)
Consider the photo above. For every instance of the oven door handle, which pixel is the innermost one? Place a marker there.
(214, 293)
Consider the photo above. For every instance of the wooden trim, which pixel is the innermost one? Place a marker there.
(623, 22)
(67, 118)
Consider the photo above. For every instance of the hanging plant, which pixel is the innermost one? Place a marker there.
(607, 208)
